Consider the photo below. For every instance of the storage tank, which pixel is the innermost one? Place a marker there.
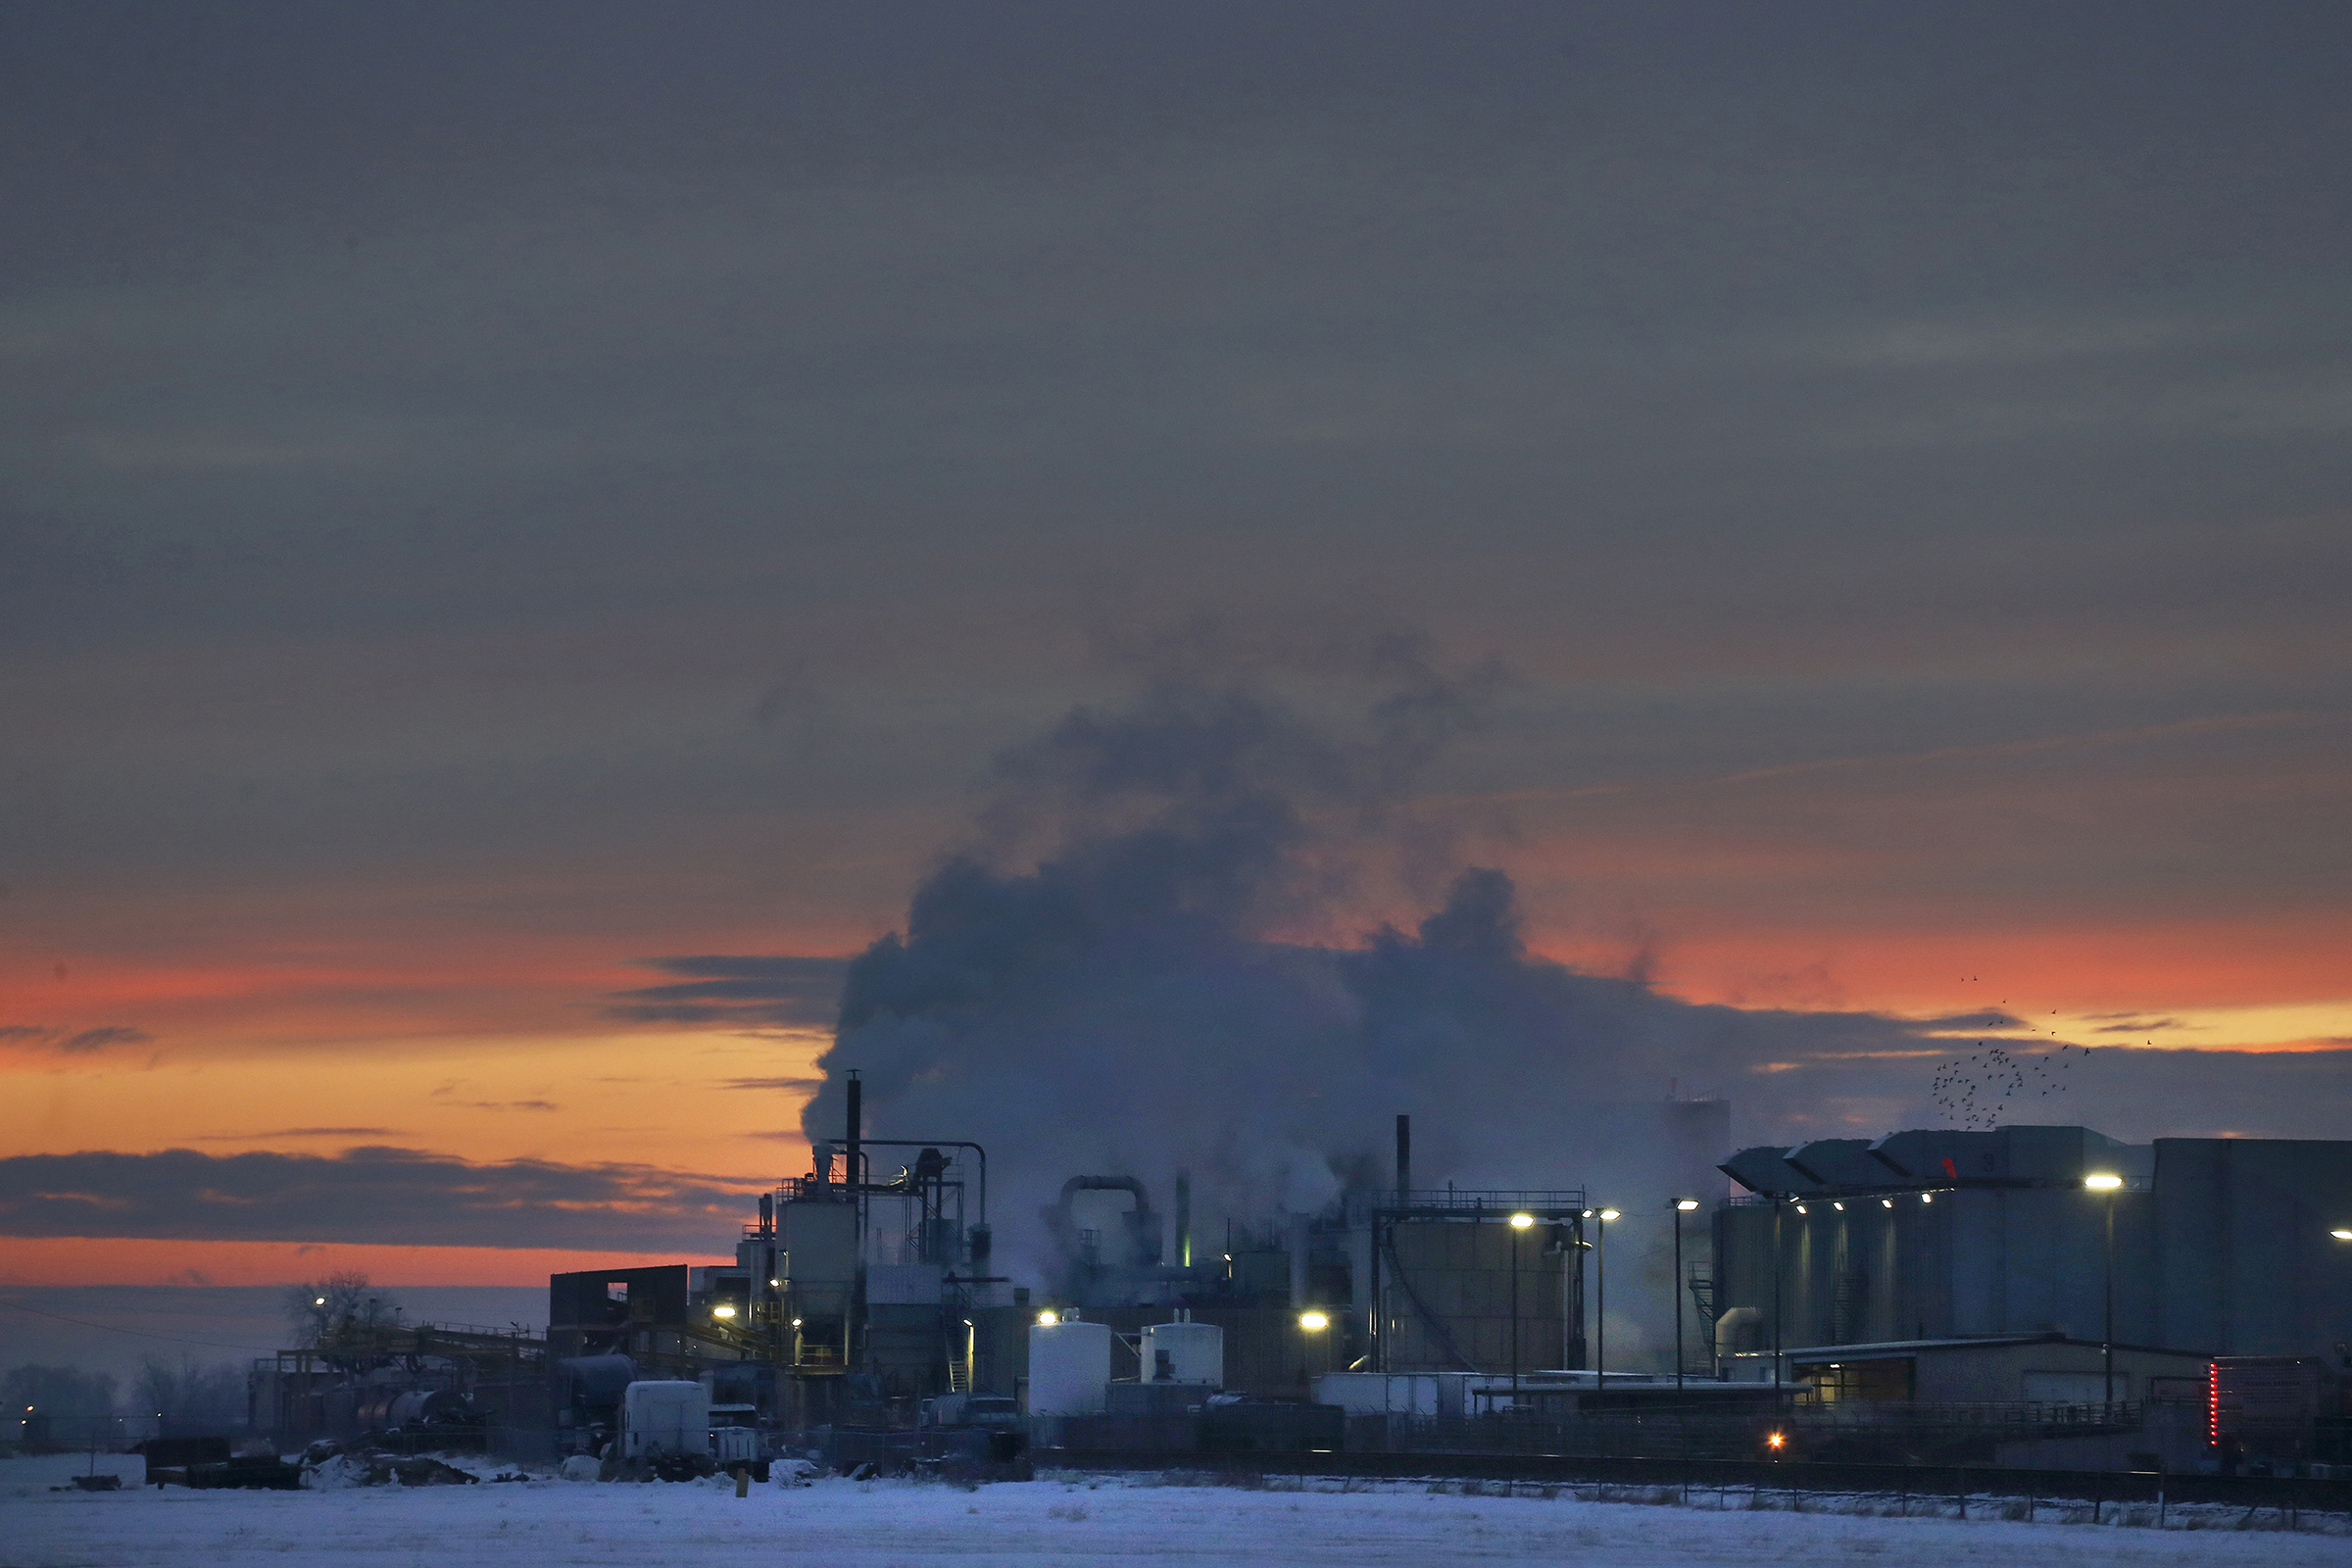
(1068, 1365)
(1184, 1352)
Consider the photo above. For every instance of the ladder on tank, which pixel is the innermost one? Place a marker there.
(1702, 1287)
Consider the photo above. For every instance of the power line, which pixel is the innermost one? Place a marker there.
(110, 1328)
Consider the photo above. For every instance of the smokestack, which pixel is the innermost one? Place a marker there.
(856, 1172)
(1184, 1219)
(1404, 1159)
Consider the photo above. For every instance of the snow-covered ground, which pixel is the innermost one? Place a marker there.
(1077, 1520)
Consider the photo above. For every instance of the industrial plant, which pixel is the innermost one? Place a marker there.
(2025, 1296)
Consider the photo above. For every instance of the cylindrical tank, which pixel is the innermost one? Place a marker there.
(1184, 1353)
(1069, 1363)
(597, 1379)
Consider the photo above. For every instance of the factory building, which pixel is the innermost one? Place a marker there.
(2189, 1299)
(861, 1296)
(2212, 1246)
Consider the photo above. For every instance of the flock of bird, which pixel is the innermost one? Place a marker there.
(1976, 1089)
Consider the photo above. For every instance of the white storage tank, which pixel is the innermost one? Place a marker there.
(1068, 1365)
(1184, 1352)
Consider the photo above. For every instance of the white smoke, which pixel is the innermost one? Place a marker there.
(1094, 985)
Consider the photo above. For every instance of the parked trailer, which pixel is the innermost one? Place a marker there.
(667, 1431)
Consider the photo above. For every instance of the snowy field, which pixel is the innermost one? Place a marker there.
(1079, 1520)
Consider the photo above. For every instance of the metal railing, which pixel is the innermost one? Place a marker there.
(1555, 1203)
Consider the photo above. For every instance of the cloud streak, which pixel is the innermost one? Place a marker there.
(752, 991)
(300, 1132)
(376, 1194)
(74, 1042)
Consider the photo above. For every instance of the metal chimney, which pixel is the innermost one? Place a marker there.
(1184, 1219)
(856, 1172)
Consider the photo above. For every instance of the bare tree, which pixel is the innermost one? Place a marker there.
(193, 1394)
(74, 1406)
(331, 1307)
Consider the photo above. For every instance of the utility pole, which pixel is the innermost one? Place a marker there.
(2107, 1186)
(1682, 1207)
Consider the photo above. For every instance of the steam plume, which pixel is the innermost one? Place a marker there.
(1102, 981)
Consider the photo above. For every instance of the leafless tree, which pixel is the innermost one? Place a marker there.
(328, 1308)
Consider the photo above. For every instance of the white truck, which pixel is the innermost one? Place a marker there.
(666, 1425)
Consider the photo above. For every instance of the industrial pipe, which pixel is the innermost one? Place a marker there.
(1730, 1323)
(857, 1121)
(1184, 1219)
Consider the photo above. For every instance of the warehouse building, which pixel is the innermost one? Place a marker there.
(2214, 1247)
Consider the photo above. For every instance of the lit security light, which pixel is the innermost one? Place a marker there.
(1047, 1318)
(1927, 1197)
(774, 1284)
(1313, 1322)
(2102, 1183)
(318, 1301)
(1685, 1205)
(1886, 1202)
(1776, 1440)
(1520, 1222)
(1608, 1215)
(722, 1311)
(2342, 1233)
(1839, 1208)
(1800, 1208)
(796, 1322)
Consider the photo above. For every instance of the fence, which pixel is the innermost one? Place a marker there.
(1857, 1433)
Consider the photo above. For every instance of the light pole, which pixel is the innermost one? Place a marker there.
(2108, 1185)
(1314, 1324)
(1600, 1296)
(1682, 1207)
(1519, 1225)
(1779, 1202)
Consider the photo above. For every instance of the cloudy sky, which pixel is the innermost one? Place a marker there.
(525, 531)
